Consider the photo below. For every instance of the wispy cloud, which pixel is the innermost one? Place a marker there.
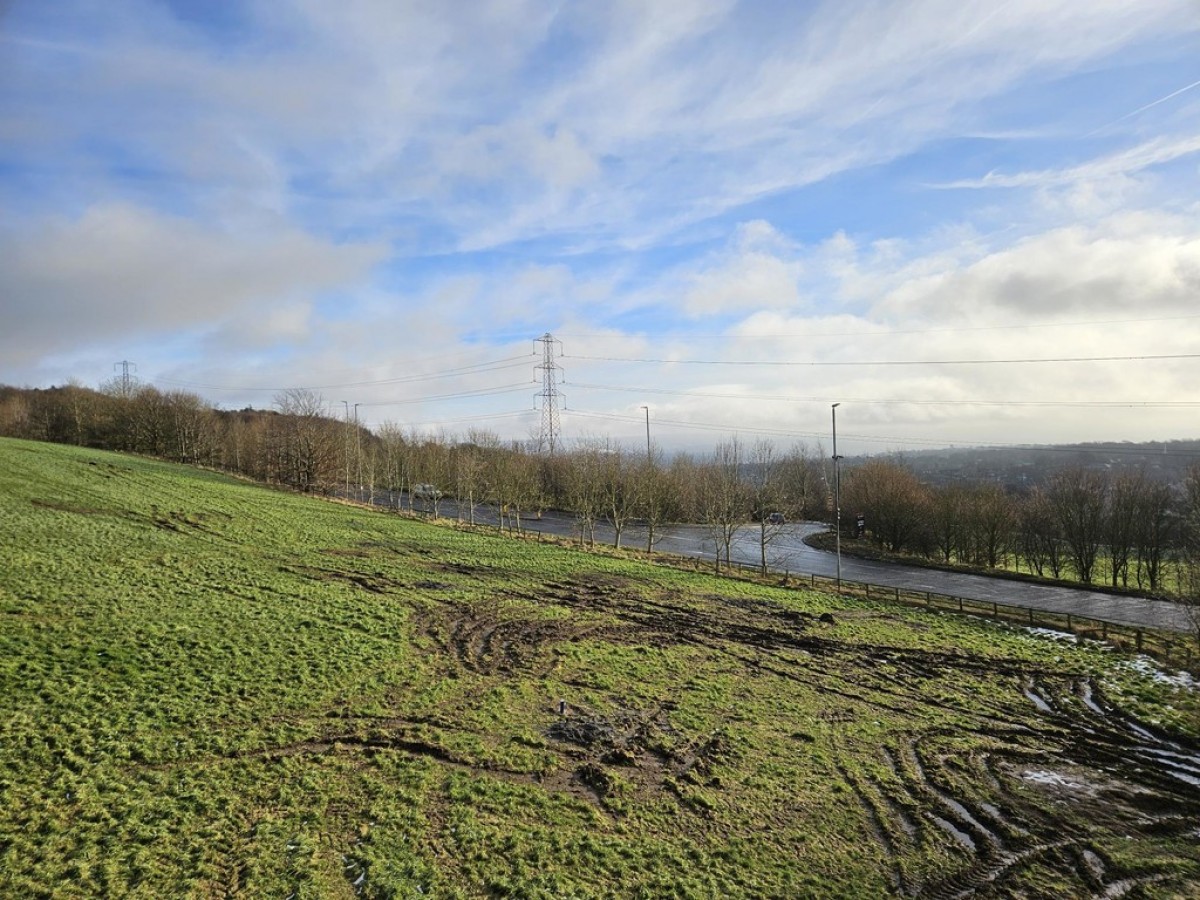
(1125, 162)
(189, 184)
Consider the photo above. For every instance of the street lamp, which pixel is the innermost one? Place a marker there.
(649, 455)
(346, 446)
(651, 490)
(837, 499)
(357, 452)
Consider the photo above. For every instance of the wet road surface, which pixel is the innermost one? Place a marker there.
(787, 552)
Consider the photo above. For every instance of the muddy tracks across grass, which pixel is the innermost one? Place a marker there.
(1047, 797)
(1031, 788)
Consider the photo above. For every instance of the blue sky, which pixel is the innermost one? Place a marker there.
(733, 213)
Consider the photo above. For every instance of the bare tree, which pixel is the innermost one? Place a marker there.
(309, 440)
(14, 412)
(514, 483)
(947, 516)
(524, 484)
(725, 497)
(655, 499)
(1191, 547)
(1125, 507)
(585, 488)
(1039, 539)
(1077, 497)
(619, 489)
(891, 498)
(469, 468)
(990, 522)
(1153, 533)
(191, 427)
(766, 496)
(800, 483)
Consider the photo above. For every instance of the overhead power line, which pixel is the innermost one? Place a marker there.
(772, 398)
(510, 362)
(482, 392)
(481, 418)
(887, 332)
(885, 362)
(939, 443)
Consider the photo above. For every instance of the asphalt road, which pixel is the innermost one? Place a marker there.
(788, 552)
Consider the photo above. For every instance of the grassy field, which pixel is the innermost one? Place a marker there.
(212, 689)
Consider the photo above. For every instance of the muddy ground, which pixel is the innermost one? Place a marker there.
(1027, 795)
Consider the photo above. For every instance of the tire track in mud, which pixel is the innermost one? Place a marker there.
(1090, 731)
(920, 807)
(990, 810)
(489, 639)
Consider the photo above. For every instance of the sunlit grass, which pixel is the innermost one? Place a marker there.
(211, 688)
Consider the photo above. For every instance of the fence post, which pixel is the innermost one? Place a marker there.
(928, 599)
(897, 595)
(1139, 640)
(960, 606)
(1104, 630)
(1069, 622)
(995, 611)
(868, 590)
(1031, 615)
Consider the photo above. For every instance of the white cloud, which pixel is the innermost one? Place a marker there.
(1129, 263)
(649, 117)
(532, 165)
(119, 271)
(1122, 163)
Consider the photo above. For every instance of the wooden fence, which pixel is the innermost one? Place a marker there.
(1172, 648)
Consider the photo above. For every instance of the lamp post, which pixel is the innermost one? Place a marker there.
(651, 490)
(346, 446)
(837, 499)
(649, 455)
(357, 452)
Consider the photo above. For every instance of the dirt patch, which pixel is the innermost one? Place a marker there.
(466, 569)
(59, 506)
(492, 639)
(632, 753)
(375, 582)
(927, 798)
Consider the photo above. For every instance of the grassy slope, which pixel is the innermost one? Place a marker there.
(208, 687)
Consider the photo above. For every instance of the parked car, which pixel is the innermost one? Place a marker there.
(426, 492)
(776, 519)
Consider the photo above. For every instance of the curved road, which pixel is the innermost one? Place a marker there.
(788, 552)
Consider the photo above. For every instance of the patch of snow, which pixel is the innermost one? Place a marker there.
(1145, 665)
(1039, 701)
(960, 836)
(1088, 700)
(1056, 779)
(1051, 633)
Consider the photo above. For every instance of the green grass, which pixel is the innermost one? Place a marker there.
(212, 689)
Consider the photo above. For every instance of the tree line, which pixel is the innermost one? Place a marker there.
(300, 444)
(1079, 523)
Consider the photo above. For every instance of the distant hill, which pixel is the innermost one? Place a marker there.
(1020, 468)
